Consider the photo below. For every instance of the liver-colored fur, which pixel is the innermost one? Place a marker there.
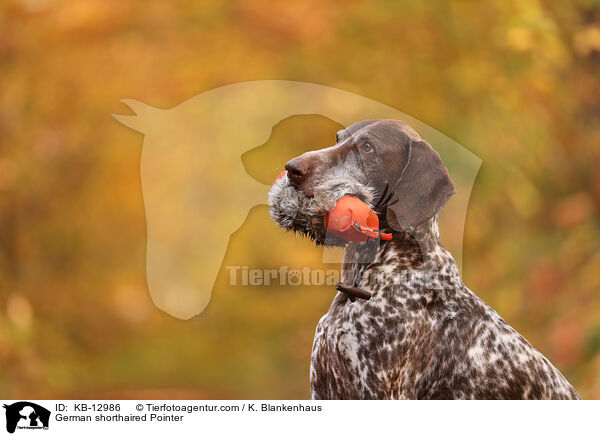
(423, 334)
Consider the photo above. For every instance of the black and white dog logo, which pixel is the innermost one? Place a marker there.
(26, 415)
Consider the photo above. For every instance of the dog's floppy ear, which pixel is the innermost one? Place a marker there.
(422, 189)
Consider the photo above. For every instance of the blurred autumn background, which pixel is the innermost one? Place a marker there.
(515, 82)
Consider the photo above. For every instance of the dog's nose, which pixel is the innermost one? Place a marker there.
(297, 170)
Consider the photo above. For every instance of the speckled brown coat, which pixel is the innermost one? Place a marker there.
(423, 334)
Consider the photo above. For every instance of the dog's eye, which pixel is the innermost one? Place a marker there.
(367, 147)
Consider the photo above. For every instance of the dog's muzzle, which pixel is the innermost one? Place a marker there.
(294, 211)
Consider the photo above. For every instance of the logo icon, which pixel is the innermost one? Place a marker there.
(26, 415)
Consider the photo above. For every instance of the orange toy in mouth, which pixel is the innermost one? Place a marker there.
(353, 220)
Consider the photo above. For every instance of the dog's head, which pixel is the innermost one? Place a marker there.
(382, 162)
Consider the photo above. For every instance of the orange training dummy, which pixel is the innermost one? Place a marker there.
(353, 220)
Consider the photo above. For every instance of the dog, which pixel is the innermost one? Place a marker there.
(422, 334)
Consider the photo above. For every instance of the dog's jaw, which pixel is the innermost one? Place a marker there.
(295, 211)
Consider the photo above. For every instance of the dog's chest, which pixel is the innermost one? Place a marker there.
(348, 352)
(360, 347)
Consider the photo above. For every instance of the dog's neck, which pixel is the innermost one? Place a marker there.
(416, 250)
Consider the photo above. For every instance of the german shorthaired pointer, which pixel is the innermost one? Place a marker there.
(422, 334)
